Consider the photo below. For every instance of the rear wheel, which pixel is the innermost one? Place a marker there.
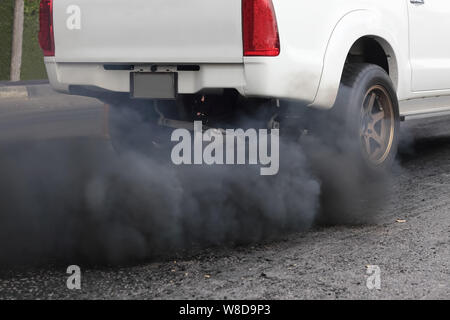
(378, 123)
(367, 111)
(358, 144)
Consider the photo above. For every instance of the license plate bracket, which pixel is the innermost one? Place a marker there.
(154, 85)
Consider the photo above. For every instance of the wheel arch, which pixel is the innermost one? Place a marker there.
(355, 30)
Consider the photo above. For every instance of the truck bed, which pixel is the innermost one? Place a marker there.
(150, 31)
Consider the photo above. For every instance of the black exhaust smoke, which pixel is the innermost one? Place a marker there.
(78, 201)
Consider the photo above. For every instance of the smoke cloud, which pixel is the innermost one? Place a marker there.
(77, 200)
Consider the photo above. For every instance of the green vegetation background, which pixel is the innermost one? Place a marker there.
(32, 59)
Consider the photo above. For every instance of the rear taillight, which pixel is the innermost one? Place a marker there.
(260, 29)
(46, 37)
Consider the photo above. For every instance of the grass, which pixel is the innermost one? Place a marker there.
(6, 17)
(32, 59)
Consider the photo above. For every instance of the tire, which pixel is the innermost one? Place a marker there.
(366, 115)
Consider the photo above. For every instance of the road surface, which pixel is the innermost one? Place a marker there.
(409, 240)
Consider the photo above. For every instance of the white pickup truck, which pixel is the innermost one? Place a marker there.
(384, 59)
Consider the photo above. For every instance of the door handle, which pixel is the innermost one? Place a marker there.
(417, 1)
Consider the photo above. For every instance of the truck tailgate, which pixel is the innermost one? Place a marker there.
(149, 31)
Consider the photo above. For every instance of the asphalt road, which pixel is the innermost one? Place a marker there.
(409, 239)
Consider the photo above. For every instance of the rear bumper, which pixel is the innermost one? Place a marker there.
(256, 77)
(210, 76)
